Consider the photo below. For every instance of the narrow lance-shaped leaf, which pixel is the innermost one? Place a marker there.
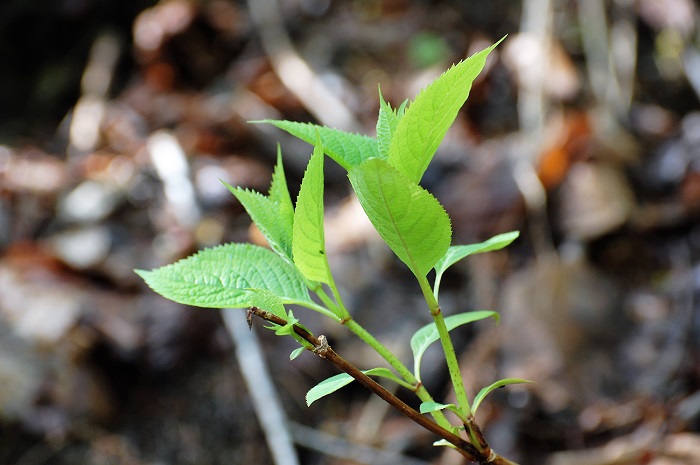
(346, 148)
(279, 192)
(428, 334)
(500, 383)
(308, 245)
(409, 219)
(444, 443)
(428, 118)
(332, 384)
(229, 276)
(457, 252)
(386, 124)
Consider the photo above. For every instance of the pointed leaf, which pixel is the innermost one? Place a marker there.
(428, 334)
(288, 328)
(444, 443)
(270, 219)
(279, 192)
(273, 215)
(332, 384)
(428, 407)
(485, 391)
(458, 252)
(296, 352)
(428, 118)
(308, 245)
(346, 148)
(386, 124)
(228, 276)
(409, 219)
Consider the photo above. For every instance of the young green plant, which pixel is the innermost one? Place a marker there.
(385, 173)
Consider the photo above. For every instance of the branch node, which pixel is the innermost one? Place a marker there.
(478, 439)
(322, 348)
(492, 456)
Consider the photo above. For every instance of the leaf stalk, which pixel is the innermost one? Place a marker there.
(401, 369)
(447, 347)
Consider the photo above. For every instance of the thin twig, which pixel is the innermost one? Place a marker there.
(324, 350)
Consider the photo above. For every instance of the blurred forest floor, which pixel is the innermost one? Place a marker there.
(117, 119)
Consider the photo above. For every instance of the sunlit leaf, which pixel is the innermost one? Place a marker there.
(409, 219)
(332, 384)
(500, 383)
(428, 407)
(457, 252)
(346, 148)
(273, 215)
(308, 246)
(279, 192)
(444, 443)
(386, 124)
(296, 352)
(229, 276)
(430, 115)
(269, 219)
(288, 328)
(428, 334)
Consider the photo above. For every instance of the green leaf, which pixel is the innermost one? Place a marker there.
(266, 300)
(308, 246)
(288, 328)
(409, 219)
(485, 391)
(428, 118)
(428, 334)
(229, 276)
(458, 252)
(332, 384)
(428, 407)
(386, 124)
(444, 443)
(296, 352)
(346, 148)
(268, 217)
(279, 192)
(273, 215)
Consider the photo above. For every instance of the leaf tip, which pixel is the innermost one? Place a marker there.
(310, 399)
(142, 273)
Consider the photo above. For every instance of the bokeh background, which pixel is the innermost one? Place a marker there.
(117, 119)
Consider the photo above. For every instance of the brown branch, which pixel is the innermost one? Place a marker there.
(324, 350)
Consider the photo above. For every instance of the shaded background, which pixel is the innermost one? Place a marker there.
(118, 118)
